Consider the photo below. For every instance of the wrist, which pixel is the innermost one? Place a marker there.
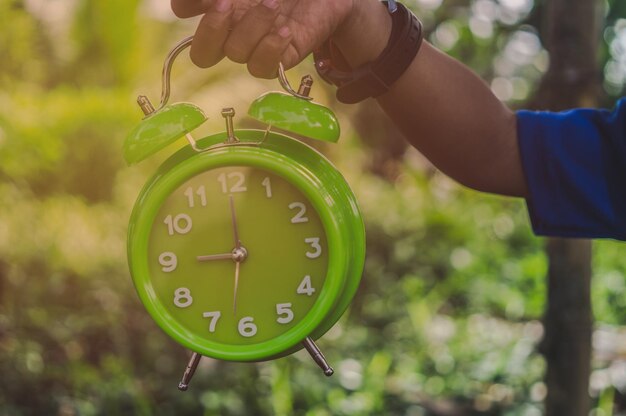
(366, 72)
(364, 34)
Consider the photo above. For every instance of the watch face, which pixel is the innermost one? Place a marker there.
(237, 255)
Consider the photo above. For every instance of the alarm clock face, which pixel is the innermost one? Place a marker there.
(241, 251)
(237, 255)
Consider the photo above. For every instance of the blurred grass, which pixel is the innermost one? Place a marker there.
(446, 319)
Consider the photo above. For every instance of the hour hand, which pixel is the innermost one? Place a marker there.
(211, 257)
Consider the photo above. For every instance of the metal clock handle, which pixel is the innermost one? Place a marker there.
(167, 69)
(143, 101)
(147, 107)
(305, 86)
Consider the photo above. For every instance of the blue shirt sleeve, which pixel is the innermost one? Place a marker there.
(575, 167)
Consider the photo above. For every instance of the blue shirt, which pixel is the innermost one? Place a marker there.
(575, 167)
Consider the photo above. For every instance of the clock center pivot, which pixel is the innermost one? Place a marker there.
(240, 254)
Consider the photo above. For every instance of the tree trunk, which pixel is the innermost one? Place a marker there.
(572, 37)
(568, 327)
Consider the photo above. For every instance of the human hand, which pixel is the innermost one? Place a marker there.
(262, 33)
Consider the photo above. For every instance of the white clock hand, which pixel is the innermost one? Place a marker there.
(237, 266)
(234, 220)
(225, 256)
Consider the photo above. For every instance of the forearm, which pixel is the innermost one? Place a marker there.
(454, 119)
(443, 109)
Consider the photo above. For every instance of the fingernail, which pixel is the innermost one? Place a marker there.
(284, 32)
(270, 4)
(223, 5)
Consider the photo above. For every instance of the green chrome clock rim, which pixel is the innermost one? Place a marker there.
(183, 166)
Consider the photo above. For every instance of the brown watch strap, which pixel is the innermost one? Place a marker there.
(376, 77)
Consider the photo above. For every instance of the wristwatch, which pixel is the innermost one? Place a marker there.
(373, 78)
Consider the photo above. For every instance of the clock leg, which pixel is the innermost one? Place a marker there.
(317, 356)
(191, 368)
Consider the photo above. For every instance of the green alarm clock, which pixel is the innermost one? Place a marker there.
(246, 245)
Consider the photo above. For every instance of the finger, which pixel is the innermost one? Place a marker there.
(189, 8)
(207, 47)
(264, 60)
(250, 30)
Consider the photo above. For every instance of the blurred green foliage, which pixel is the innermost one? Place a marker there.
(445, 322)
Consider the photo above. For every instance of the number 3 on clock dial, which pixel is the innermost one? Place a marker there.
(278, 282)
